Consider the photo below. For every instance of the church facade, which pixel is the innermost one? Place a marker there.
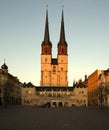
(54, 70)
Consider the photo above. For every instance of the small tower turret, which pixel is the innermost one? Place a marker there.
(4, 67)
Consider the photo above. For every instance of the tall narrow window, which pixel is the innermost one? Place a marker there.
(54, 69)
(45, 59)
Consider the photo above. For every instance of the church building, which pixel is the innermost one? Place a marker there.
(53, 90)
(54, 70)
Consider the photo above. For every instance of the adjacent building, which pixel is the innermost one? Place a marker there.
(103, 89)
(75, 96)
(10, 87)
(93, 85)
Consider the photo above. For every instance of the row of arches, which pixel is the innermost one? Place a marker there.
(56, 104)
(49, 104)
(62, 104)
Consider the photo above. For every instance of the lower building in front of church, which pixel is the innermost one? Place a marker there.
(55, 96)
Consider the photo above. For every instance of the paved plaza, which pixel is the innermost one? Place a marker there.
(33, 118)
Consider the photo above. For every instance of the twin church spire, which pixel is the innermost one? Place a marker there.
(62, 32)
(46, 36)
(54, 70)
(62, 41)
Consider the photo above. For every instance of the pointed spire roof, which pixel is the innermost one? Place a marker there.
(62, 32)
(46, 35)
(4, 66)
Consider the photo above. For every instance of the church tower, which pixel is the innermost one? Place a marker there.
(54, 70)
(62, 55)
(46, 56)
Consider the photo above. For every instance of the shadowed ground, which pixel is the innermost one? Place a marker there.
(32, 118)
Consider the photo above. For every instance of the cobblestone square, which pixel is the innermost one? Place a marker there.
(32, 118)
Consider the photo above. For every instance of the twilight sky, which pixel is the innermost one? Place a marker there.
(22, 24)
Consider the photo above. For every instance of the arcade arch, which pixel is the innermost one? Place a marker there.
(48, 104)
(54, 104)
(66, 104)
(60, 104)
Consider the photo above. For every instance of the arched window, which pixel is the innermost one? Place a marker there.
(45, 59)
(54, 69)
(61, 68)
(82, 92)
(62, 60)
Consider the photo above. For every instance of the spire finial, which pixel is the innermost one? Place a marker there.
(47, 8)
(62, 9)
(46, 12)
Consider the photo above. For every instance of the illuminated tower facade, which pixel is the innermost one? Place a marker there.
(54, 70)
